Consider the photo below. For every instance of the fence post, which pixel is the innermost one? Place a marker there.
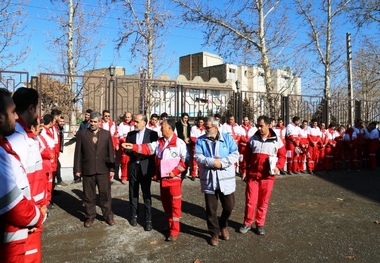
(285, 109)
(358, 110)
(238, 104)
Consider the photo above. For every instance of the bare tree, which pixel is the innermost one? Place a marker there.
(76, 43)
(321, 18)
(12, 31)
(367, 78)
(364, 12)
(143, 25)
(250, 30)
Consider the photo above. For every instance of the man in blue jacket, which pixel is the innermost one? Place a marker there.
(215, 154)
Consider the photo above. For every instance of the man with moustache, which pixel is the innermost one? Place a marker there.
(265, 157)
(18, 212)
(141, 169)
(94, 161)
(216, 153)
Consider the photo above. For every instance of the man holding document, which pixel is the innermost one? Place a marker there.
(265, 156)
(171, 154)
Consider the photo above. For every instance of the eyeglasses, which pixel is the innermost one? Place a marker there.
(107, 115)
(208, 128)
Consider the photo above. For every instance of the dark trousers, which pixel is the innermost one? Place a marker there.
(228, 203)
(103, 183)
(58, 172)
(136, 178)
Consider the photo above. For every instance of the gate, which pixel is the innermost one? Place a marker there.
(12, 80)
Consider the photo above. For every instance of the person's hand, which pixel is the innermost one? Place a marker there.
(111, 175)
(52, 156)
(74, 132)
(43, 210)
(243, 175)
(77, 174)
(32, 230)
(187, 140)
(117, 148)
(171, 174)
(276, 171)
(127, 146)
(217, 164)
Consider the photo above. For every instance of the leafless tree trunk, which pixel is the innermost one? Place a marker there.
(12, 33)
(76, 43)
(244, 29)
(144, 34)
(321, 35)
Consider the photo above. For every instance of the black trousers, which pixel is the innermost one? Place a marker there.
(137, 179)
(103, 183)
(58, 173)
(228, 202)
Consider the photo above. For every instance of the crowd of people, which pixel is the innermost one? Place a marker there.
(136, 151)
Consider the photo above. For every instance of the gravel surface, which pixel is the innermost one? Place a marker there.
(326, 217)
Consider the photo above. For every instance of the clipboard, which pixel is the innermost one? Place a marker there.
(167, 166)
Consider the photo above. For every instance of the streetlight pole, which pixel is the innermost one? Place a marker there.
(111, 94)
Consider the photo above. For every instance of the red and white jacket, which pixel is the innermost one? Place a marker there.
(111, 127)
(324, 137)
(304, 141)
(156, 128)
(166, 149)
(314, 135)
(234, 130)
(247, 132)
(18, 211)
(196, 132)
(331, 136)
(293, 133)
(280, 132)
(258, 152)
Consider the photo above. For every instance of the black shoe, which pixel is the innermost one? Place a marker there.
(282, 173)
(148, 226)
(77, 180)
(260, 230)
(50, 206)
(133, 221)
(290, 173)
(296, 172)
(192, 178)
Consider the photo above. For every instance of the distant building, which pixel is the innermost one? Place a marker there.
(251, 78)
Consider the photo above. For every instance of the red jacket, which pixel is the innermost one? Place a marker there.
(258, 152)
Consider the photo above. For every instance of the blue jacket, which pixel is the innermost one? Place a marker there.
(206, 151)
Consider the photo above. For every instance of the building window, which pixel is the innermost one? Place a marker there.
(232, 70)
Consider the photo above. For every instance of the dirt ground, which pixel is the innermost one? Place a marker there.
(327, 217)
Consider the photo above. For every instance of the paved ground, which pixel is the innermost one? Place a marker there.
(328, 217)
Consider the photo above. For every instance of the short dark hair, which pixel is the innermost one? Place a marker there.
(164, 115)
(184, 114)
(171, 123)
(296, 118)
(4, 93)
(105, 111)
(154, 115)
(217, 115)
(56, 112)
(266, 119)
(88, 111)
(48, 118)
(23, 98)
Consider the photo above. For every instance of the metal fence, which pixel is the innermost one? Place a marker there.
(74, 94)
